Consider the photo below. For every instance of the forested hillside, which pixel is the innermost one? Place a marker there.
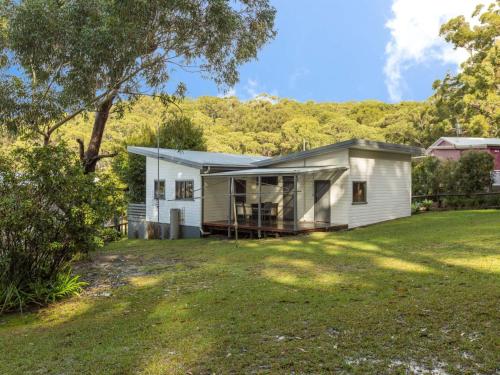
(270, 126)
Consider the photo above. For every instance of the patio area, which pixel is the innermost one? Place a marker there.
(251, 227)
(269, 201)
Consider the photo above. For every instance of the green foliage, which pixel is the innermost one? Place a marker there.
(176, 132)
(470, 174)
(12, 297)
(426, 204)
(473, 173)
(49, 212)
(471, 98)
(425, 176)
(101, 56)
(109, 235)
(301, 133)
(257, 126)
(478, 201)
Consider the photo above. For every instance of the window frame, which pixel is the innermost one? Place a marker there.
(156, 189)
(365, 191)
(184, 190)
(274, 179)
(240, 183)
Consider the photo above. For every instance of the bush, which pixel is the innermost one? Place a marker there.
(426, 204)
(415, 207)
(50, 211)
(473, 172)
(109, 235)
(425, 175)
(40, 293)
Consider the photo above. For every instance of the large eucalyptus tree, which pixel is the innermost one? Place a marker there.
(63, 58)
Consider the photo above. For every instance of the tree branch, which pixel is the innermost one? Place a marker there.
(105, 95)
(81, 148)
(102, 156)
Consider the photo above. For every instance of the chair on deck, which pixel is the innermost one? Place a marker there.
(241, 212)
(269, 211)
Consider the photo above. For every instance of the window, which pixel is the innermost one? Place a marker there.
(359, 192)
(159, 192)
(240, 187)
(184, 190)
(269, 180)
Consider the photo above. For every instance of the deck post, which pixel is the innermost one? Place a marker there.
(295, 215)
(259, 217)
(202, 203)
(229, 208)
(235, 213)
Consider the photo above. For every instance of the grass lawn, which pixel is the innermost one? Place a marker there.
(417, 295)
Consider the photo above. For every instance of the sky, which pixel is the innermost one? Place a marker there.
(349, 50)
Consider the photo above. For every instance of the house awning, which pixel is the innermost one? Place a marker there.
(289, 171)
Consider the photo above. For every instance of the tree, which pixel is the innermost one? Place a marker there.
(67, 58)
(176, 133)
(302, 132)
(471, 98)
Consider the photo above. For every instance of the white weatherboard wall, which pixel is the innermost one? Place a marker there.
(339, 190)
(388, 184)
(170, 172)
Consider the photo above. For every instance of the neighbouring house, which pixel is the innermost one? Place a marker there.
(343, 185)
(452, 148)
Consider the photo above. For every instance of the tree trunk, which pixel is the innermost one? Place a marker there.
(91, 156)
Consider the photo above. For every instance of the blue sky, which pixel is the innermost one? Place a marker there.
(343, 50)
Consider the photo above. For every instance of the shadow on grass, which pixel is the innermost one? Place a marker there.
(375, 299)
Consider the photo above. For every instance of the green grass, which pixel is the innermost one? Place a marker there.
(416, 294)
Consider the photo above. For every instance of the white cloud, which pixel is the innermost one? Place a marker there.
(415, 39)
(251, 88)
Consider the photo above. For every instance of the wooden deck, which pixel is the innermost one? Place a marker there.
(275, 227)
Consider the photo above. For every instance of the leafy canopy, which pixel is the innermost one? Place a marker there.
(68, 57)
(471, 98)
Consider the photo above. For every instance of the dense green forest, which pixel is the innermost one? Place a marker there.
(270, 126)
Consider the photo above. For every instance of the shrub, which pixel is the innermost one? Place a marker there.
(40, 293)
(426, 204)
(109, 235)
(473, 172)
(425, 176)
(415, 207)
(50, 211)
(446, 175)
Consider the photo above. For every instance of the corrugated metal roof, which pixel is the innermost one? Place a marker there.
(276, 171)
(353, 143)
(470, 141)
(198, 159)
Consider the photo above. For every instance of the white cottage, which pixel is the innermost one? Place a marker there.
(343, 185)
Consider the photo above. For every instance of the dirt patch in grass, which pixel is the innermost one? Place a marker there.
(105, 272)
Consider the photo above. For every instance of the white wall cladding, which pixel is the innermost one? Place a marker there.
(388, 178)
(388, 184)
(338, 158)
(170, 172)
(216, 199)
(339, 199)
